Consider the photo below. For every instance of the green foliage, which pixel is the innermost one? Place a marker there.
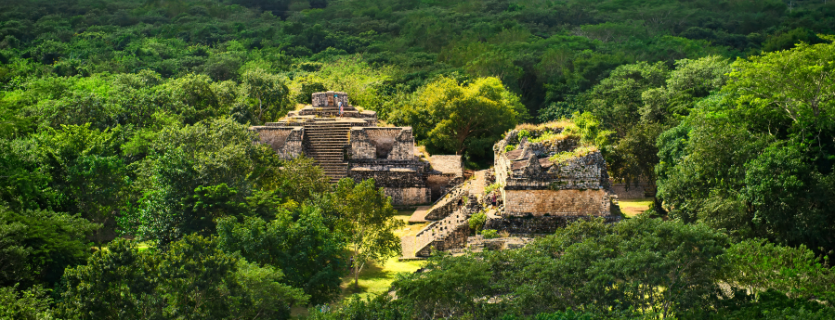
(489, 234)
(197, 174)
(492, 187)
(756, 264)
(30, 304)
(36, 245)
(644, 265)
(756, 158)
(453, 118)
(563, 157)
(298, 243)
(588, 127)
(138, 110)
(192, 280)
(367, 220)
(477, 221)
(268, 92)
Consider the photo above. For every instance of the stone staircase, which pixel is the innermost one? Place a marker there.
(325, 142)
(445, 234)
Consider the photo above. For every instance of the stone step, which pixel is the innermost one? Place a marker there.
(327, 127)
(332, 166)
(326, 155)
(320, 136)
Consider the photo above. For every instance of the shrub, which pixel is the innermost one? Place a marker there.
(489, 234)
(477, 221)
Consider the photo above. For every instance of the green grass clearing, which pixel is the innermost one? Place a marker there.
(633, 207)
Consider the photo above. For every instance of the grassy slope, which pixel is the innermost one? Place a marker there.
(633, 207)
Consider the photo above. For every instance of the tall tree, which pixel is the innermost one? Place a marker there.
(368, 221)
(192, 280)
(267, 92)
(450, 117)
(310, 255)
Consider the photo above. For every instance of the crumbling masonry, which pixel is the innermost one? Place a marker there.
(543, 184)
(351, 145)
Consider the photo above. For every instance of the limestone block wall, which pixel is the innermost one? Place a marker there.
(403, 181)
(404, 146)
(439, 183)
(361, 146)
(382, 143)
(286, 141)
(320, 99)
(408, 196)
(569, 202)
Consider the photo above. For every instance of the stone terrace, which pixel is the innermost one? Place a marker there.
(351, 145)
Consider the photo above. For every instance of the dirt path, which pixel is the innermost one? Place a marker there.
(420, 214)
(477, 185)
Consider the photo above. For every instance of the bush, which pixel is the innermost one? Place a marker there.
(477, 221)
(489, 234)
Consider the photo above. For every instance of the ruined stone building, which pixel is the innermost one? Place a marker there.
(352, 145)
(544, 179)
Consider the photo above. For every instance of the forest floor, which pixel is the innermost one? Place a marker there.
(633, 207)
(375, 278)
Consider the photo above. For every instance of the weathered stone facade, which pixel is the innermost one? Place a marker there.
(539, 194)
(570, 202)
(353, 146)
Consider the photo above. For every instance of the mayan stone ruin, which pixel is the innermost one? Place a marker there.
(543, 178)
(352, 145)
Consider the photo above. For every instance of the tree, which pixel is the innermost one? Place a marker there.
(756, 158)
(31, 304)
(756, 264)
(192, 280)
(268, 92)
(449, 117)
(197, 174)
(298, 243)
(368, 222)
(617, 99)
(37, 245)
(798, 82)
(88, 171)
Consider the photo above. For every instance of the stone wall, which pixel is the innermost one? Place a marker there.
(439, 183)
(382, 143)
(320, 99)
(286, 141)
(556, 202)
(538, 225)
(408, 196)
(403, 181)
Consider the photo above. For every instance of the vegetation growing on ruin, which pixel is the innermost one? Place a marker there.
(579, 152)
(129, 119)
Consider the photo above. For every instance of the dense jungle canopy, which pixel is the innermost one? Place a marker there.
(123, 128)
